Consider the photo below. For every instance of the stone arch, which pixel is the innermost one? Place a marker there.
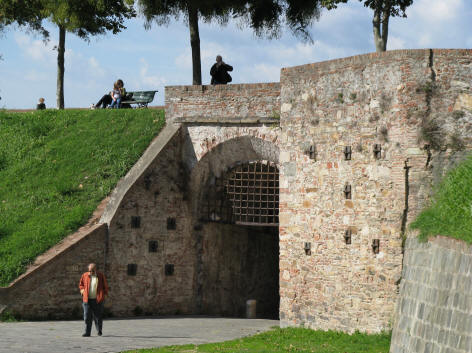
(226, 155)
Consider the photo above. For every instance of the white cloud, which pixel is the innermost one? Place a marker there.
(436, 11)
(336, 19)
(261, 73)
(95, 68)
(184, 60)
(396, 43)
(36, 49)
(36, 76)
(147, 80)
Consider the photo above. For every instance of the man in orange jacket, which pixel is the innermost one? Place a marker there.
(93, 288)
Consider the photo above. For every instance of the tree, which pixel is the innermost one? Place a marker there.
(383, 10)
(265, 17)
(161, 12)
(84, 18)
(25, 13)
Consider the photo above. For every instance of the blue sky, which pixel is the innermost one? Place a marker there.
(152, 59)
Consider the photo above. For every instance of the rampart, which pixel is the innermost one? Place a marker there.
(358, 144)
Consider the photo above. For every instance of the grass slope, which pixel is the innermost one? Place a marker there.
(55, 168)
(290, 340)
(450, 213)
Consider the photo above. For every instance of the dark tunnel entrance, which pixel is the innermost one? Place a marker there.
(240, 245)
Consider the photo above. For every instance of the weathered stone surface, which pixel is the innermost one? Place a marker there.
(434, 311)
(360, 105)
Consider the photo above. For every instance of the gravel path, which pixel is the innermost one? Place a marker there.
(123, 334)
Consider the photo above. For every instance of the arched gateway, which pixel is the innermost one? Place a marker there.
(235, 207)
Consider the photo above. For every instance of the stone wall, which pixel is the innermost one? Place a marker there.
(52, 289)
(434, 312)
(404, 101)
(153, 210)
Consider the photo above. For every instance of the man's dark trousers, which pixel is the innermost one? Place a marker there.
(95, 310)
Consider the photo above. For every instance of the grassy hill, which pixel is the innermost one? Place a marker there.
(450, 212)
(55, 168)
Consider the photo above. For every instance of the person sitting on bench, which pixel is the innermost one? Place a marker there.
(107, 98)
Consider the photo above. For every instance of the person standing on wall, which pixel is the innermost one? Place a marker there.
(219, 72)
(93, 288)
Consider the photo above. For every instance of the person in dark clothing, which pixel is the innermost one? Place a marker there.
(219, 72)
(107, 99)
(104, 102)
(41, 105)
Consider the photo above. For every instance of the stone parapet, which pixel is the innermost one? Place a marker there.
(245, 102)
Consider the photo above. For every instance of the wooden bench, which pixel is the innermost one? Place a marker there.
(140, 98)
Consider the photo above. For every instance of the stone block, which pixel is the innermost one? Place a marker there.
(463, 101)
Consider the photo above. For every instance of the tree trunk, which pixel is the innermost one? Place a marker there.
(60, 68)
(385, 19)
(379, 47)
(380, 24)
(195, 44)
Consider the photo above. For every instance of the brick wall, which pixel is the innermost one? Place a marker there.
(434, 312)
(228, 102)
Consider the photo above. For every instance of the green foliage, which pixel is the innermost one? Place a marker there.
(57, 167)
(25, 13)
(266, 18)
(450, 212)
(6, 316)
(291, 340)
(87, 17)
(340, 98)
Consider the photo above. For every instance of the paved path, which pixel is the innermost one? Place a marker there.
(123, 334)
